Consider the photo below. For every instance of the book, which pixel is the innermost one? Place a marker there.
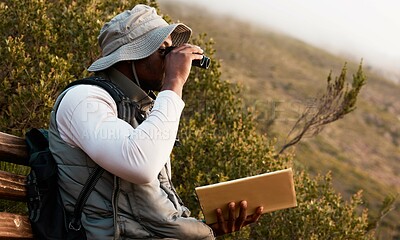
(272, 190)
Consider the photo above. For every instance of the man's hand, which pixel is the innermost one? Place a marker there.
(178, 64)
(233, 224)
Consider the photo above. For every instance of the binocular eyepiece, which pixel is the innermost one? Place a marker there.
(201, 63)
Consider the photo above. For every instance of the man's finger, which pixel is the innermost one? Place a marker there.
(242, 216)
(221, 221)
(256, 215)
(231, 218)
(188, 48)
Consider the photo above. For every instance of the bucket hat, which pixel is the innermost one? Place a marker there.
(135, 34)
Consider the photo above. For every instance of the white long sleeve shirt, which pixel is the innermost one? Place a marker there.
(87, 118)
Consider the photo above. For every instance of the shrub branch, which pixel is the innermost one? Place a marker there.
(338, 100)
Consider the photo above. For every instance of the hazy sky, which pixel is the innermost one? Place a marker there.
(368, 29)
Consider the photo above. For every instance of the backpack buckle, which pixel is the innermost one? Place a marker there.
(72, 227)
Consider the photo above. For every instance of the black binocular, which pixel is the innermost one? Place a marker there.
(201, 63)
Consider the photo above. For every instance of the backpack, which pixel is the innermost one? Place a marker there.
(46, 211)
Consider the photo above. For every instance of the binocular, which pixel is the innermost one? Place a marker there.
(201, 63)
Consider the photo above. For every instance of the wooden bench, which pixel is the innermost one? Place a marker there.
(12, 187)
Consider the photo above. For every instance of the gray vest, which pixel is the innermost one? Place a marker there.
(117, 209)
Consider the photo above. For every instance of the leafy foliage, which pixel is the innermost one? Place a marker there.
(321, 214)
(46, 44)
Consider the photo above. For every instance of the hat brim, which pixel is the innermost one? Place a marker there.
(144, 45)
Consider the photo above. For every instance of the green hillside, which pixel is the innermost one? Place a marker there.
(281, 75)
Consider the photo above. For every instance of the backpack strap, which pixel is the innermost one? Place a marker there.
(128, 111)
(75, 222)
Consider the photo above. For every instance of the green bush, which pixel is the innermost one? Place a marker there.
(46, 44)
(321, 214)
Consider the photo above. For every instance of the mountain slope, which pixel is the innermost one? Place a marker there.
(281, 75)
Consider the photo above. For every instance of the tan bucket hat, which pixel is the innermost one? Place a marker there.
(136, 34)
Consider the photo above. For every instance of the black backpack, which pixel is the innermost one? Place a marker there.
(46, 211)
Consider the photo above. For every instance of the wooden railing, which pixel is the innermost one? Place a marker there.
(13, 187)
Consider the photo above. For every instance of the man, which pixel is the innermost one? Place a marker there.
(135, 198)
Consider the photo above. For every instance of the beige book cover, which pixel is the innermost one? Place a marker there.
(273, 191)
